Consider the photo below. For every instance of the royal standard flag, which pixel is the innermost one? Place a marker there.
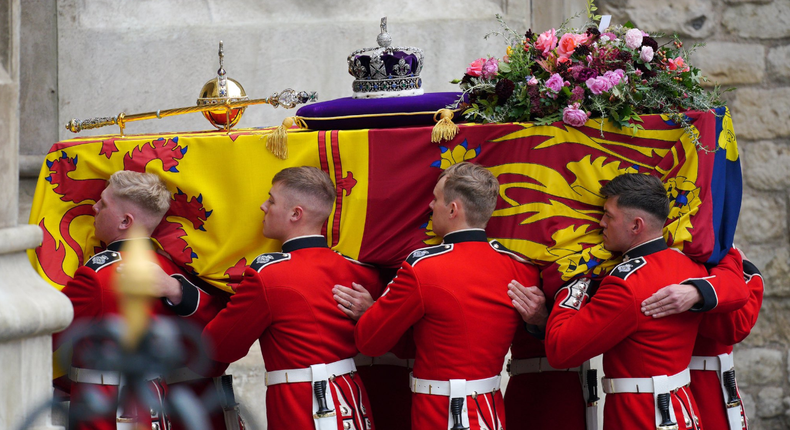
(549, 206)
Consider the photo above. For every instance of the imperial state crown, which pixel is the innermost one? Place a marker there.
(386, 71)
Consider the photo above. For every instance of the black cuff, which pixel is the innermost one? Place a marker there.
(750, 269)
(535, 331)
(189, 299)
(709, 299)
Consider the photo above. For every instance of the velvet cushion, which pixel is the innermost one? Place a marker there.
(349, 113)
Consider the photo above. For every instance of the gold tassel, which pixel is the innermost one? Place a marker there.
(277, 142)
(444, 129)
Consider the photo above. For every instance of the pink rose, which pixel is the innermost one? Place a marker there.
(633, 38)
(490, 68)
(573, 116)
(554, 83)
(532, 81)
(646, 54)
(599, 85)
(614, 77)
(569, 42)
(476, 68)
(546, 41)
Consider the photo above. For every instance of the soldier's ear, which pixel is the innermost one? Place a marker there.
(126, 222)
(453, 209)
(297, 213)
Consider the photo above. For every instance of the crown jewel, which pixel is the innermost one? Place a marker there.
(386, 71)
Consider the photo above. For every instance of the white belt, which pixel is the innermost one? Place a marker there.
(93, 376)
(183, 374)
(99, 377)
(388, 359)
(644, 385)
(290, 376)
(442, 388)
(723, 362)
(720, 364)
(519, 366)
(657, 385)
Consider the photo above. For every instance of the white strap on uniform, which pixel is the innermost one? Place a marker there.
(661, 384)
(388, 359)
(520, 366)
(645, 385)
(291, 376)
(93, 376)
(443, 388)
(455, 388)
(591, 409)
(720, 364)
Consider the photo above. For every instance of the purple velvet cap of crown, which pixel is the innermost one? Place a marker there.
(350, 113)
(390, 61)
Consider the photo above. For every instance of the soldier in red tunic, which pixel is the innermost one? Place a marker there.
(130, 199)
(644, 358)
(454, 296)
(285, 302)
(712, 367)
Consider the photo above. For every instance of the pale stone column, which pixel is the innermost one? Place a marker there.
(30, 309)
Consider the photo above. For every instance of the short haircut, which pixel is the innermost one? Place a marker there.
(312, 183)
(144, 190)
(476, 188)
(639, 191)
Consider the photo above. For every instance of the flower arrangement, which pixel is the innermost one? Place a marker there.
(572, 75)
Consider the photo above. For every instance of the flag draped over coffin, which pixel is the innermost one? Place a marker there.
(548, 210)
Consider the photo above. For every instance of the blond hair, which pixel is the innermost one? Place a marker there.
(144, 190)
(475, 187)
(311, 183)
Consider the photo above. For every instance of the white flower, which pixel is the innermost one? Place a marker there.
(646, 54)
(633, 38)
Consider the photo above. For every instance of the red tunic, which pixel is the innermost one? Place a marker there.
(285, 302)
(455, 296)
(635, 345)
(717, 334)
(93, 295)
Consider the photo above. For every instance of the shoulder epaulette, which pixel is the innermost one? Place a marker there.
(431, 251)
(498, 247)
(626, 268)
(354, 260)
(268, 259)
(103, 259)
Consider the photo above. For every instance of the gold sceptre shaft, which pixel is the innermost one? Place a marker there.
(287, 98)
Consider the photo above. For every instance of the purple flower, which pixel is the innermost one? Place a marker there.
(555, 83)
(633, 38)
(490, 68)
(573, 116)
(599, 85)
(581, 74)
(646, 54)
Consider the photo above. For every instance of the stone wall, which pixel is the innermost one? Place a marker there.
(748, 48)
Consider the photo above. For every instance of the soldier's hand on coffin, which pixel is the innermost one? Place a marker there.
(162, 285)
(670, 300)
(352, 301)
(530, 302)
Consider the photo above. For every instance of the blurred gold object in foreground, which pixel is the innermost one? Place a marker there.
(134, 287)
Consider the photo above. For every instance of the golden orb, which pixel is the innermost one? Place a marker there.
(221, 90)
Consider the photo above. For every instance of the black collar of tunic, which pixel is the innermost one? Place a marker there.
(475, 235)
(304, 242)
(647, 248)
(120, 244)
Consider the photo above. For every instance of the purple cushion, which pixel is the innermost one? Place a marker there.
(349, 113)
